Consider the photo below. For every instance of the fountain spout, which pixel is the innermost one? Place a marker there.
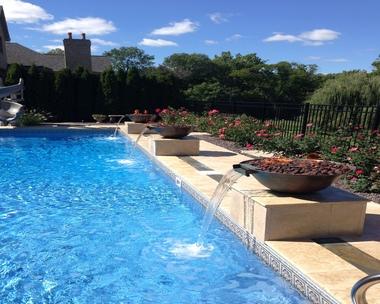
(224, 185)
(118, 125)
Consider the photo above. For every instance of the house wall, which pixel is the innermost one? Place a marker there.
(3, 51)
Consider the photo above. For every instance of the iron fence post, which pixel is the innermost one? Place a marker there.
(305, 117)
(376, 118)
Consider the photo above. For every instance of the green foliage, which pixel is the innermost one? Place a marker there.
(191, 68)
(14, 73)
(350, 88)
(31, 118)
(56, 51)
(126, 58)
(204, 92)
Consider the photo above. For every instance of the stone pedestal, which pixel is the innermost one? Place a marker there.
(328, 213)
(136, 128)
(186, 146)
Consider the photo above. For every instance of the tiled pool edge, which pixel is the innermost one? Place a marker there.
(314, 293)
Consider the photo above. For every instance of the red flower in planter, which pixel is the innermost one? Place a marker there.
(334, 149)
(237, 122)
(158, 110)
(222, 130)
(222, 136)
(359, 172)
(353, 149)
(213, 112)
(164, 111)
(249, 146)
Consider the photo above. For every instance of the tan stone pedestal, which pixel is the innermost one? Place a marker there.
(186, 146)
(136, 128)
(328, 213)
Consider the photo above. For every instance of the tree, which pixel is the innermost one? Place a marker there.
(376, 65)
(192, 68)
(14, 73)
(125, 58)
(56, 51)
(349, 88)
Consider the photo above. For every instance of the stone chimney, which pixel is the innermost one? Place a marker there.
(77, 52)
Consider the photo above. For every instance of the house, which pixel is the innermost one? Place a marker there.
(77, 53)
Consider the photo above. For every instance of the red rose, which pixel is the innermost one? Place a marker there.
(359, 172)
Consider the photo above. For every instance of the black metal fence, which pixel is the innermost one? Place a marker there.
(306, 118)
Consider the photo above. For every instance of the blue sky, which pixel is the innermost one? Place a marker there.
(336, 35)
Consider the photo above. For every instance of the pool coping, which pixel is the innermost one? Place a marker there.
(306, 286)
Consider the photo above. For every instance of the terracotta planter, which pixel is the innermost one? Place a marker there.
(309, 180)
(140, 118)
(171, 131)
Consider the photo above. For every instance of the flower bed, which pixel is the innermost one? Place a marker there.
(251, 133)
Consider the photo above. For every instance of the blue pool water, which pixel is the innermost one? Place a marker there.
(85, 219)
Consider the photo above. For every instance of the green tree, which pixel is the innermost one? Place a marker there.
(191, 68)
(56, 51)
(110, 90)
(205, 92)
(14, 73)
(349, 88)
(125, 58)
(64, 102)
(376, 65)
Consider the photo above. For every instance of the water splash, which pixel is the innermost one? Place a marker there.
(118, 126)
(126, 161)
(146, 129)
(191, 251)
(224, 185)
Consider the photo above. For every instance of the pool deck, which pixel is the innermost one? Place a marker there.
(323, 271)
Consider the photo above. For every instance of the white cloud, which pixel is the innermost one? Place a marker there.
(101, 42)
(88, 25)
(157, 42)
(177, 28)
(24, 12)
(314, 38)
(52, 47)
(234, 37)
(320, 35)
(313, 58)
(337, 60)
(282, 37)
(211, 42)
(218, 17)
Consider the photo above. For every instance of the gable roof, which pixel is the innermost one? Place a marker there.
(20, 54)
(3, 25)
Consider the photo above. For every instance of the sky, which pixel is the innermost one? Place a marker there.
(336, 35)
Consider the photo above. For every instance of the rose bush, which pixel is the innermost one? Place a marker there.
(363, 152)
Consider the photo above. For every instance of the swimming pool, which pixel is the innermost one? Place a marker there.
(85, 218)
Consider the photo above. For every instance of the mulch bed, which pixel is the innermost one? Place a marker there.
(236, 148)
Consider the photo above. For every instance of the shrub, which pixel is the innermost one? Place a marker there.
(31, 118)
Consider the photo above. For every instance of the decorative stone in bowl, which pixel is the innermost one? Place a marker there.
(292, 175)
(140, 118)
(168, 131)
(99, 117)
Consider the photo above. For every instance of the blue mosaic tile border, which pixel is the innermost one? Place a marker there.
(292, 275)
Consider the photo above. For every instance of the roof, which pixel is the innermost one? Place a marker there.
(20, 54)
(3, 24)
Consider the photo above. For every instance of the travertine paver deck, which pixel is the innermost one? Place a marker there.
(333, 269)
